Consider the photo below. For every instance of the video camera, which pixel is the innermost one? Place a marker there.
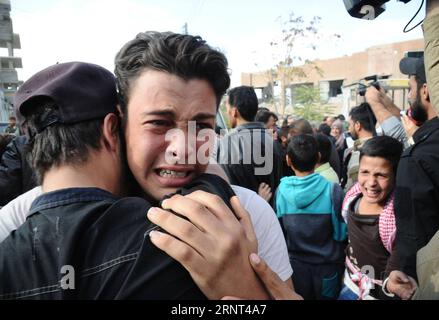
(367, 9)
(370, 81)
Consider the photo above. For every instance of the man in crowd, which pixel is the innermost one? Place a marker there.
(247, 154)
(361, 127)
(12, 127)
(417, 193)
(16, 175)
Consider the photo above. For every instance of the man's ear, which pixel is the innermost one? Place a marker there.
(110, 131)
(287, 157)
(234, 112)
(357, 126)
(425, 94)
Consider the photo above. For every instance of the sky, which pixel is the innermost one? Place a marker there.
(93, 31)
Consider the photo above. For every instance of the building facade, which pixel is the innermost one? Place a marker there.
(8, 62)
(340, 78)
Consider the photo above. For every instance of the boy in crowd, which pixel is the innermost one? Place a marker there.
(309, 208)
(323, 167)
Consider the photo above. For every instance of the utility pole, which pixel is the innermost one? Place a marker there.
(185, 28)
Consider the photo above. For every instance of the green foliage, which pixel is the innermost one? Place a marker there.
(297, 33)
(308, 104)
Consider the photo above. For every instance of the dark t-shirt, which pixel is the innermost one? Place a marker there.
(365, 249)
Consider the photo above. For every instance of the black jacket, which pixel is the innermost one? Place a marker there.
(417, 195)
(249, 157)
(83, 243)
(95, 243)
(16, 175)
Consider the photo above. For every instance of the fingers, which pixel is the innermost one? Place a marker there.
(409, 125)
(180, 228)
(180, 251)
(213, 203)
(195, 211)
(271, 280)
(401, 284)
(372, 94)
(245, 220)
(406, 120)
(413, 282)
(401, 277)
(264, 191)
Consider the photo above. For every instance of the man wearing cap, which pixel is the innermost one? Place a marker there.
(146, 123)
(417, 181)
(80, 239)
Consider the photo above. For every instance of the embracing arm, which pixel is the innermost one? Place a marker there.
(212, 245)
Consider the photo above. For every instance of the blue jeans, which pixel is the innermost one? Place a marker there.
(347, 294)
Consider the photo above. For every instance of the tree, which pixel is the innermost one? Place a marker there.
(296, 35)
(309, 104)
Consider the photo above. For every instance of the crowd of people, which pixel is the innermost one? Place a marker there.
(117, 187)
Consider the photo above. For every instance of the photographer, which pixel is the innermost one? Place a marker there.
(416, 194)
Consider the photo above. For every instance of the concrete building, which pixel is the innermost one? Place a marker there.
(8, 62)
(339, 81)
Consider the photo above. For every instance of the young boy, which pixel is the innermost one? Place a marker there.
(323, 167)
(309, 209)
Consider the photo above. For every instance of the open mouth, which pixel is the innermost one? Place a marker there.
(175, 177)
(164, 173)
(372, 193)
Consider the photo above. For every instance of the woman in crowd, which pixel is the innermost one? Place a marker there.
(337, 130)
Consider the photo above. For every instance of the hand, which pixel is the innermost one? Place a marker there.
(374, 96)
(277, 288)
(401, 284)
(213, 245)
(264, 191)
(409, 126)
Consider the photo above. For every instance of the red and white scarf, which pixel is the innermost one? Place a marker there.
(386, 225)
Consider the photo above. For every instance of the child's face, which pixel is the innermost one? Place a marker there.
(376, 178)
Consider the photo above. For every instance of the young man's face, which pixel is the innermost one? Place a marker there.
(376, 179)
(159, 102)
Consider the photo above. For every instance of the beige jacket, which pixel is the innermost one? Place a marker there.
(431, 36)
(427, 269)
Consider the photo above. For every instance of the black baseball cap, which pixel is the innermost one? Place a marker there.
(412, 66)
(82, 91)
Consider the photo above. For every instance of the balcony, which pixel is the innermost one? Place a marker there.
(8, 76)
